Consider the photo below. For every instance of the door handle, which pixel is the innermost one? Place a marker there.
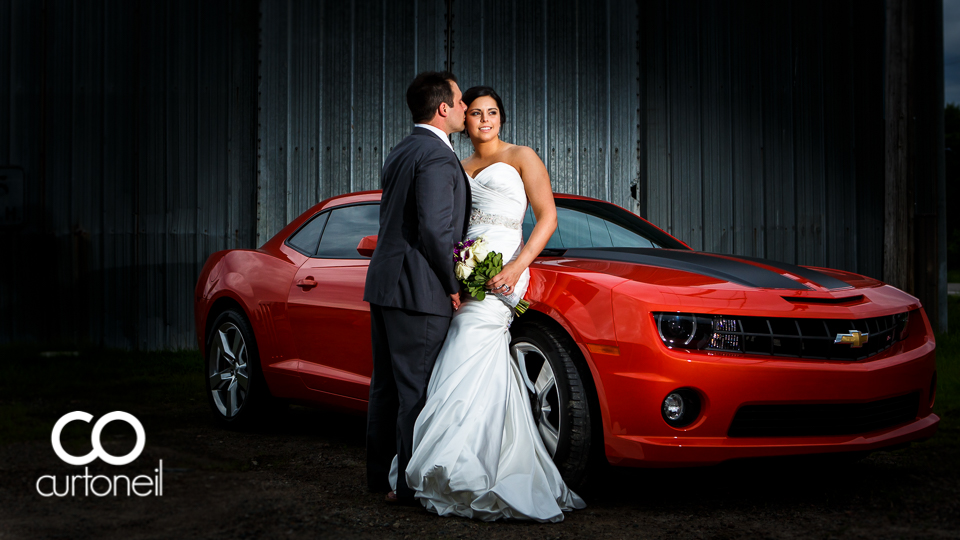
(307, 283)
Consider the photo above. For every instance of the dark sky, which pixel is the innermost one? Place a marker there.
(951, 51)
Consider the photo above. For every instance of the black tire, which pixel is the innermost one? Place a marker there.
(231, 338)
(569, 407)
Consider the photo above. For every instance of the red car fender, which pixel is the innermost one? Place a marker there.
(263, 300)
(581, 304)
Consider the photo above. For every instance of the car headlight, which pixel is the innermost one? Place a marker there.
(903, 320)
(694, 331)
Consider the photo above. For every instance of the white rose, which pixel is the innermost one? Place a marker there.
(462, 271)
(466, 254)
(480, 250)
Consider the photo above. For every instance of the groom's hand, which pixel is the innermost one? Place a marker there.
(456, 301)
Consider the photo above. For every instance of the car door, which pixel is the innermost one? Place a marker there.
(325, 305)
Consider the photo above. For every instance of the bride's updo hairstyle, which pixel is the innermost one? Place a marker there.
(479, 91)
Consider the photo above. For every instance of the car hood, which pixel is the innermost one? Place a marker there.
(709, 270)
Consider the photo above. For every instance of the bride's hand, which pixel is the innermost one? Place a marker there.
(508, 276)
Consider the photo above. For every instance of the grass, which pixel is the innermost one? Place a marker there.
(953, 276)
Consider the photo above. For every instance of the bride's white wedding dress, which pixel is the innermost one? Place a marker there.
(477, 452)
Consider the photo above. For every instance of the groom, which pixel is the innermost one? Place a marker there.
(410, 285)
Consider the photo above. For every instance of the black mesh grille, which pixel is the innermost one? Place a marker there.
(812, 338)
(823, 419)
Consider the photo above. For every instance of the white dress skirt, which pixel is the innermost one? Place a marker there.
(476, 449)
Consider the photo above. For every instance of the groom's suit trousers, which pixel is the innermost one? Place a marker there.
(405, 347)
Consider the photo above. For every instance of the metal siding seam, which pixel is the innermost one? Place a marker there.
(353, 89)
(576, 97)
(546, 101)
(607, 157)
(287, 136)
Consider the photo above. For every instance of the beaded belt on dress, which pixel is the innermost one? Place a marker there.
(479, 216)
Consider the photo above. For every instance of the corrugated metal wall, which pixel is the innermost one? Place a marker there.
(333, 78)
(152, 134)
(134, 123)
(763, 128)
(751, 127)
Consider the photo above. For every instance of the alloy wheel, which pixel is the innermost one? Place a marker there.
(542, 389)
(228, 370)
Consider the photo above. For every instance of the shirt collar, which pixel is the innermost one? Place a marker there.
(443, 136)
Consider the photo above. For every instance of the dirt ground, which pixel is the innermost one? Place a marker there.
(302, 476)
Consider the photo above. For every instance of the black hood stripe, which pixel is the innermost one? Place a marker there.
(699, 263)
(819, 278)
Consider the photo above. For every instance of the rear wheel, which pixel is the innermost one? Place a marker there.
(236, 390)
(558, 397)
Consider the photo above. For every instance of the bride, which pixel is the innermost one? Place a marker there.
(476, 450)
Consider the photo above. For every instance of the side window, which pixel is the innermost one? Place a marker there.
(577, 229)
(345, 228)
(305, 240)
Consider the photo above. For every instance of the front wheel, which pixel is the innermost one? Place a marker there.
(235, 385)
(558, 398)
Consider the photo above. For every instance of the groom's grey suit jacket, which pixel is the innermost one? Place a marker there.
(423, 214)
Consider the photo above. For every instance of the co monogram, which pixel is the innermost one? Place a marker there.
(98, 451)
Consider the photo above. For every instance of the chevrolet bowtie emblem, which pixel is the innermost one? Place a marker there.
(854, 338)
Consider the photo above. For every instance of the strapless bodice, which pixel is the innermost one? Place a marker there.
(498, 196)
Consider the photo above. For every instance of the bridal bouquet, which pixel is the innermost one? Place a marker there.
(475, 265)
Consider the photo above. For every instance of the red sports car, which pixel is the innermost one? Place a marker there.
(636, 348)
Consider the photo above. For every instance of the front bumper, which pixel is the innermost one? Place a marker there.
(634, 384)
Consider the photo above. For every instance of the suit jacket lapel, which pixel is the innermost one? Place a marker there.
(468, 201)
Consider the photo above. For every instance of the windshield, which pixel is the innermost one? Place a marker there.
(596, 224)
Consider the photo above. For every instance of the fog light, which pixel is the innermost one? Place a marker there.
(681, 407)
(673, 407)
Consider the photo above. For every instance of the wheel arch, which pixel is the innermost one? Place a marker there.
(587, 371)
(219, 305)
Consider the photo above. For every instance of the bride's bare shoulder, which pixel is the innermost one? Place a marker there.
(523, 157)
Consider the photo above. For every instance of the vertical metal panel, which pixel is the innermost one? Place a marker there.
(562, 93)
(622, 100)
(592, 119)
(716, 95)
(22, 148)
(151, 178)
(526, 105)
(838, 110)
(368, 111)
(120, 317)
(777, 85)
(86, 150)
(869, 128)
(272, 132)
(654, 188)
(748, 181)
(398, 42)
(337, 104)
(809, 133)
(683, 78)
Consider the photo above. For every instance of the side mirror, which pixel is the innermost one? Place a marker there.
(367, 245)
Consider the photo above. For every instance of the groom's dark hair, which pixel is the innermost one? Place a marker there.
(427, 91)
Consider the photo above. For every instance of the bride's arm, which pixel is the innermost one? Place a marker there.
(536, 184)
